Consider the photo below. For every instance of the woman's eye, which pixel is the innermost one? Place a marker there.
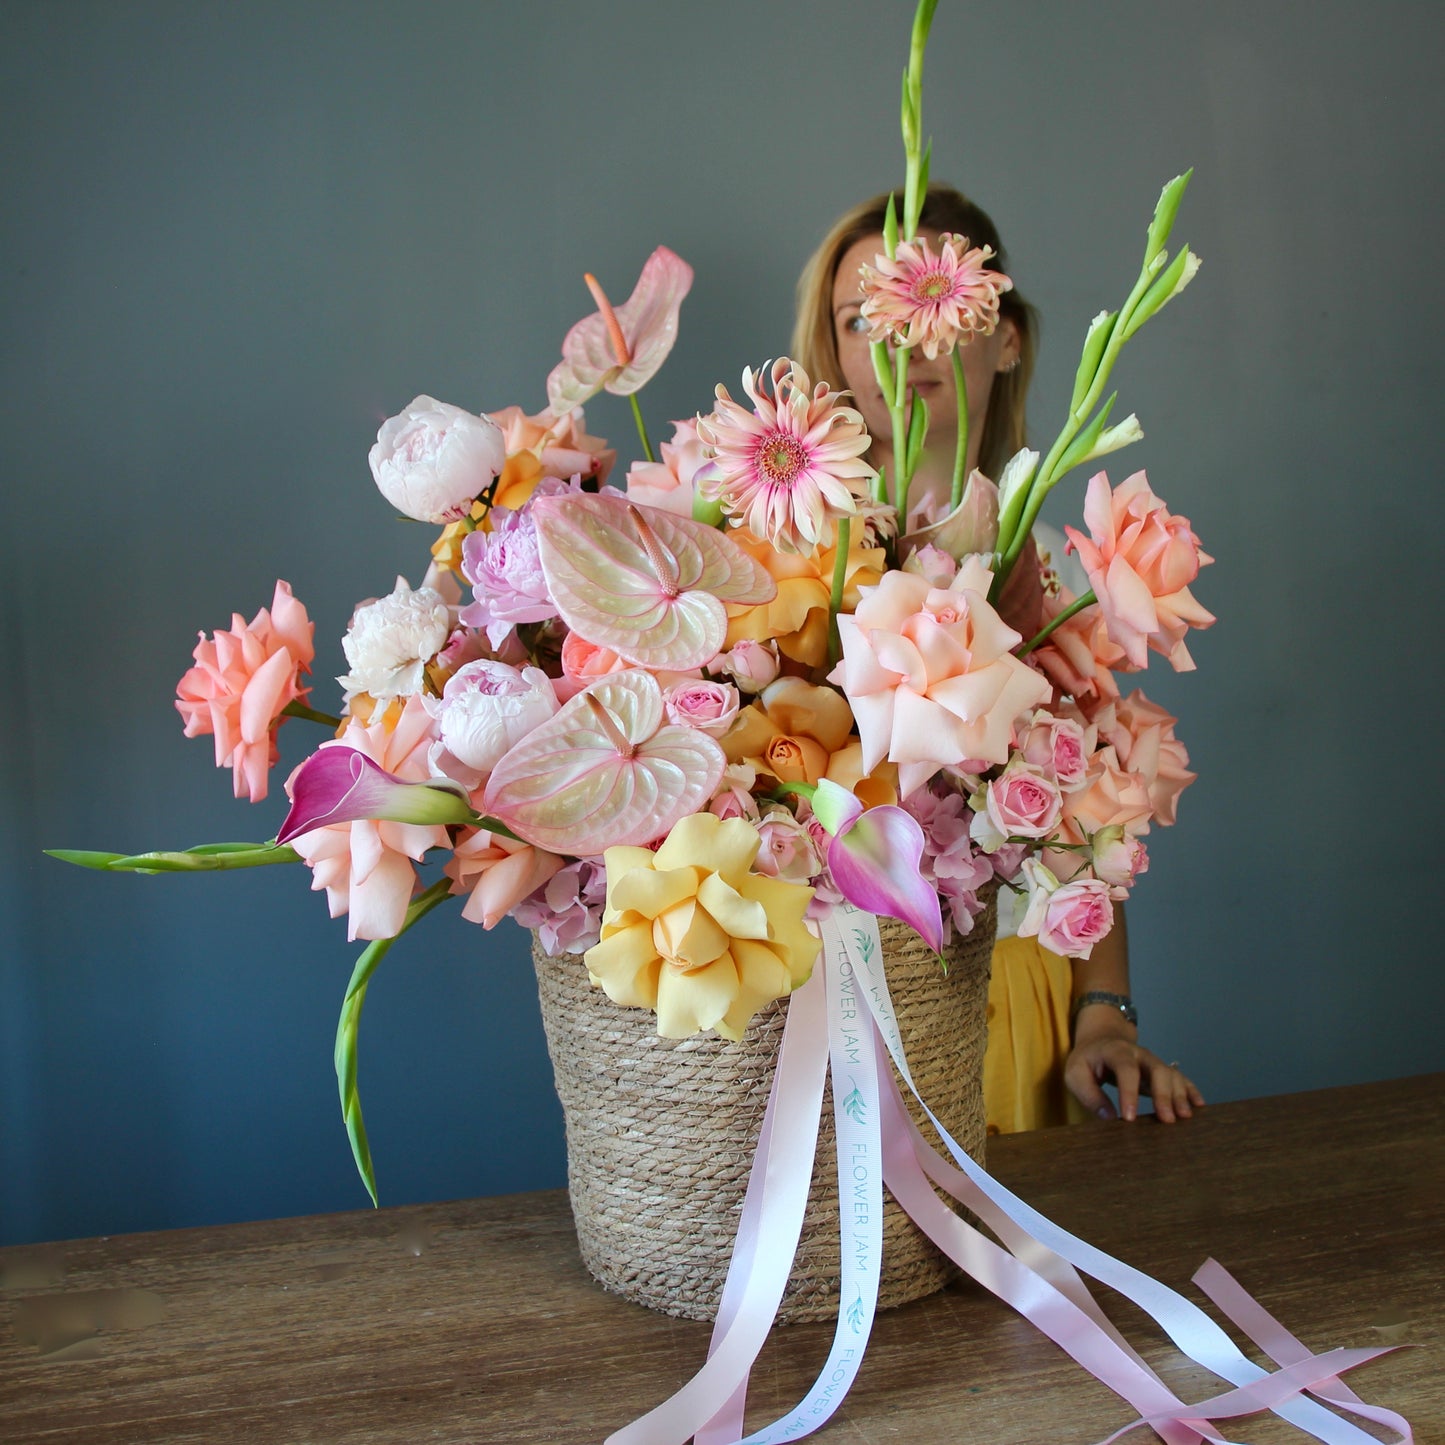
(855, 324)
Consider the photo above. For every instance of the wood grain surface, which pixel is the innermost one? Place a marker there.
(475, 1322)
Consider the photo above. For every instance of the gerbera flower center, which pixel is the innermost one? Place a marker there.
(780, 457)
(931, 285)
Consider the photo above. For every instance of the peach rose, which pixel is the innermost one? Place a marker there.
(791, 732)
(1140, 560)
(930, 675)
(1142, 735)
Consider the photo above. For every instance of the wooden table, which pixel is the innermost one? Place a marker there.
(475, 1321)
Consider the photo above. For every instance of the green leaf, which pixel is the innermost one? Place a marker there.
(82, 857)
(1164, 213)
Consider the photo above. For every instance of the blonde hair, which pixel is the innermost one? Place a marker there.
(815, 341)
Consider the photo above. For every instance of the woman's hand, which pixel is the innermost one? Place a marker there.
(1106, 1048)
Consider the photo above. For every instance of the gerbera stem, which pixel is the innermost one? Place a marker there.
(960, 455)
(840, 577)
(898, 414)
(1087, 600)
(641, 429)
(299, 709)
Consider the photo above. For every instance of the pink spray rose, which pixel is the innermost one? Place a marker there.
(1058, 746)
(710, 706)
(671, 482)
(930, 675)
(1022, 802)
(1067, 918)
(1141, 560)
(751, 665)
(788, 849)
(1118, 859)
(242, 681)
(432, 460)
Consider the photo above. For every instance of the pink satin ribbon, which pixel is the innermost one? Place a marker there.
(1035, 1269)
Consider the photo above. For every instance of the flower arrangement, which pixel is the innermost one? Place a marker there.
(669, 723)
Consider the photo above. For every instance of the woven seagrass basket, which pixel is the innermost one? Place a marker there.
(661, 1132)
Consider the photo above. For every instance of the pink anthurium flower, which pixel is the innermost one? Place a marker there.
(340, 784)
(874, 858)
(622, 349)
(607, 769)
(646, 583)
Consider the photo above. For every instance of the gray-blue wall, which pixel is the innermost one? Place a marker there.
(235, 237)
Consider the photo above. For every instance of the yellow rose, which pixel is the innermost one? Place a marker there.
(692, 933)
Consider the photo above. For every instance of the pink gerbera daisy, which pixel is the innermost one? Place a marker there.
(793, 465)
(919, 299)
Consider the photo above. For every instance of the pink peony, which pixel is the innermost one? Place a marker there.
(432, 460)
(242, 681)
(1068, 918)
(497, 873)
(485, 708)
(930, 676)
(672, 482)
(366, 866)
(791, 467)
(1141, 560)
(710, 706)
(919, 299)
(1142, 735)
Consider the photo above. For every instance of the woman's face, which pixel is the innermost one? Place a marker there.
(983, 358)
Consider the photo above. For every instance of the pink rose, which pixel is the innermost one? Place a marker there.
(788, 850)
(708, 706)
(933, 564)
(432, 460)
(752, 665)
(1111, 794)
(734, 795)
(1079, 657)
(1140, 560)
(1067, 918)
(1118, 858)
(1058, 747)
(561, 446)
(242, 682)
(496, 873)
(930, 676)
(1023, 803)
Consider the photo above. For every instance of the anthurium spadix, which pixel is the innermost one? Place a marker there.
(605, 770)
(339, 784)
(644, 582)
(621, 349)
(874, 857)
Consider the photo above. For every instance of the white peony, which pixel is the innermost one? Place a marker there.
(434, 459)
(486, 708)
(391, 640)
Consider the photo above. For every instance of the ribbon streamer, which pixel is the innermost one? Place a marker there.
(842, 1020)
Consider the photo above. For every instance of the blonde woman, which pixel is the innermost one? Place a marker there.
(1058, 1029)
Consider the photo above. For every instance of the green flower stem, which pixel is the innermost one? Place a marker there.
(960, 455)
(913, 115)
(840, 576)
(206, 858)
(349, 1023)
(1087, 600)
(898, 415)
(641, 429)
(299, 709)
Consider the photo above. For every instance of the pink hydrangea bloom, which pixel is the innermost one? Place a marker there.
(1141, 559)
(930, 677)
(931, 301)
(242, 681)
(366, 866)
(793, 465)
(567, 910)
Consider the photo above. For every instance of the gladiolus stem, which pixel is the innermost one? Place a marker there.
(1087, 600)
(641, 429)
(960, 456)
(349, 1023)
(299, 709)
(840, 576)
(206, 858)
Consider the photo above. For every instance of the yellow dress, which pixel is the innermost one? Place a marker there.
(1028, 1039)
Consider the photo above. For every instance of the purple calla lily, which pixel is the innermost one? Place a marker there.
(874, 858)
(340, 784)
